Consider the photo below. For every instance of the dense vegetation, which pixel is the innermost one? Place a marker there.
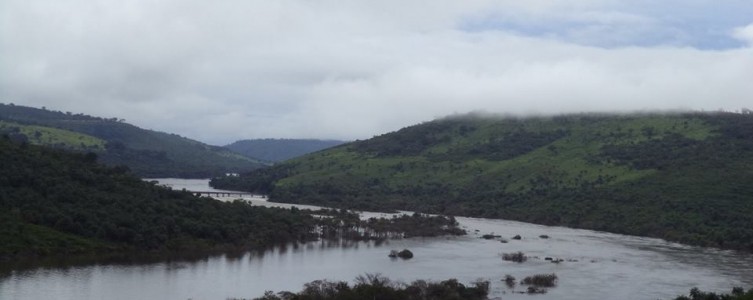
(683, 177)
(375, 286)
(541, 280)
(736, 294)
(147, 153)
(55, 202)
(349, 225)
(517, 257)
(276, 150)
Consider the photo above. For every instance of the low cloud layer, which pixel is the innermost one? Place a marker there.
(331, 69)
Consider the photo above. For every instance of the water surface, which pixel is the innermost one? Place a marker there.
(602, 266)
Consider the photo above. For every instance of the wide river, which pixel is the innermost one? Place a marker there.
(597, 265)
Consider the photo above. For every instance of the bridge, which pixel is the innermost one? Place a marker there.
(226, 194)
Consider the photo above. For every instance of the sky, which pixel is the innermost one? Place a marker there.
(219, 71)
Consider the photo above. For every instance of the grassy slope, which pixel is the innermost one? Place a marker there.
(681, 177)
(148, 153)
(41, 135)
(168, 152)
(568, 162)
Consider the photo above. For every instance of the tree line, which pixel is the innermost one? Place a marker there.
(681, 177)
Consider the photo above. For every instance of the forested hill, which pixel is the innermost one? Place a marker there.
(56, 202)
(276, 150)
(148, 153)
(683, 177)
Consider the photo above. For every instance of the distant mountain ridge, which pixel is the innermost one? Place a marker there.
(683, 177)
(147, 153)
(276, 150)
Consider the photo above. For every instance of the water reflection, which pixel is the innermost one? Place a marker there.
(593, 264)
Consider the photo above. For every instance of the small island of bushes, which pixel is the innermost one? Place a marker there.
(376, 286)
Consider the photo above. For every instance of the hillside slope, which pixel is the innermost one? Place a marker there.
(148, 153)
(276, 150)
(53, 137)
(56, 202)
(682, 177)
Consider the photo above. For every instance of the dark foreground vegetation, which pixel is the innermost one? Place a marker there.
(737, 293)
(682, 177)
(375, 286)
(53, 202)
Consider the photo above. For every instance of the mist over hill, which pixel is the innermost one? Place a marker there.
(276, 150)
(683, 176)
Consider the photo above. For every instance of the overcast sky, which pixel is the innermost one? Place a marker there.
(218, 71)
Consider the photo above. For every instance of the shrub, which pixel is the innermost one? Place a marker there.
(738, 293)
(541, 280)
(535, 290)
(517, 257)
(509, 281)
(376, 286)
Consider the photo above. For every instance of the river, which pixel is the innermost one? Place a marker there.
(597, 265)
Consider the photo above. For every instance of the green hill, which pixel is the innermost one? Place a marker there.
(276, 150)
(682, 177)
(57, 138)
(57, 202)
(148, 153)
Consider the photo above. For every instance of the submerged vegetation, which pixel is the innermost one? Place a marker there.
(346, 224)
(404, 254)
(509, 281)
(682, 177)
(541, 280)
(375, 286)
(517, 257)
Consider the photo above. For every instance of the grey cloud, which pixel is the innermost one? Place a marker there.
(243, 69)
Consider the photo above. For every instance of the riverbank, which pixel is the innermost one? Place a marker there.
(630, 267)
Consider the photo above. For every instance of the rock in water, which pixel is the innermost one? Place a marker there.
(405, 254)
